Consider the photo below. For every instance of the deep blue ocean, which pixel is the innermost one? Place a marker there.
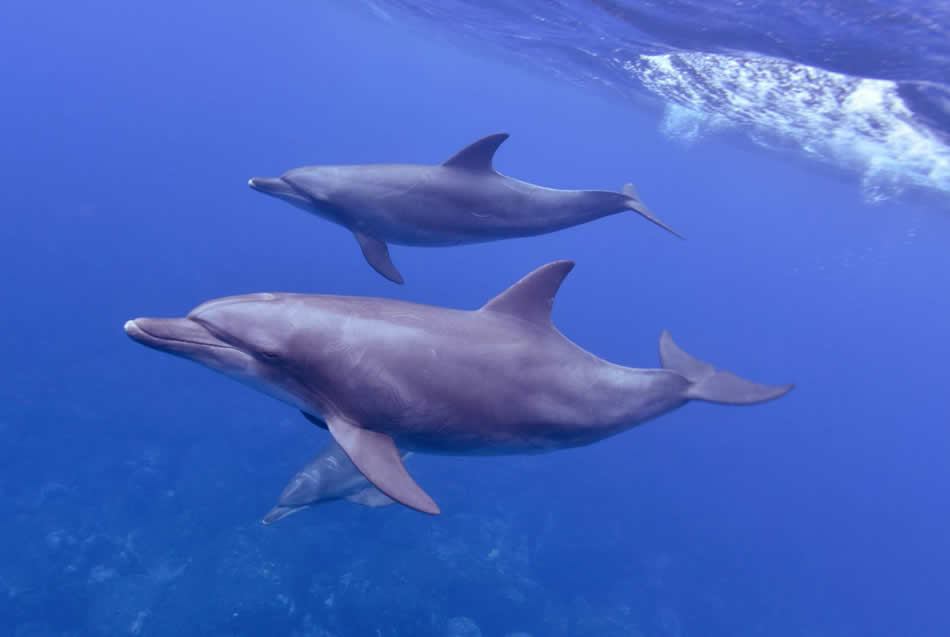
(803, 151)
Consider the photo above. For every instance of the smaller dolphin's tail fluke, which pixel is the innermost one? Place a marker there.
(712, 385)
(636, 204)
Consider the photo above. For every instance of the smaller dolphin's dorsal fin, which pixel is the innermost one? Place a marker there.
(532, 298)
(477, 156)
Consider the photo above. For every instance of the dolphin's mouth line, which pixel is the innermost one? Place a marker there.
(185, 341)
(300, 192)
(283, 188)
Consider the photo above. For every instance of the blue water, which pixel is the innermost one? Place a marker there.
(132, 483)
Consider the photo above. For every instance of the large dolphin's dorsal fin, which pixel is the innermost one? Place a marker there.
(532, 297)
(477, 156)
(376, 456)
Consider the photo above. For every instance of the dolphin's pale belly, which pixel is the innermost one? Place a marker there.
(499, 436)
(474, 440)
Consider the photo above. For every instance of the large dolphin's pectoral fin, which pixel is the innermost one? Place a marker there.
(376, 456)
(636, 204)
(373, 497)
(377, 255)
(370, 497)
(477, 156)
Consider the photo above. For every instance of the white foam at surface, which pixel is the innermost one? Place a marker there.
(688, 126)
(859, 123)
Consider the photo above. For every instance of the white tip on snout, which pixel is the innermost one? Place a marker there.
(129, 327)
(250, 182)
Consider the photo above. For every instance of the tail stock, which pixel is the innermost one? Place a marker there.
(636, 204)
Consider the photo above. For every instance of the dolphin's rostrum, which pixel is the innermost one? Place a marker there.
(463, 200)
(497, 380)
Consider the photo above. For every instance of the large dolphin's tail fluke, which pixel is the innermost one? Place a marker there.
(712, 385)
(636, 204)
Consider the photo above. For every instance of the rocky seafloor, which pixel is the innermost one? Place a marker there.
(162, 537)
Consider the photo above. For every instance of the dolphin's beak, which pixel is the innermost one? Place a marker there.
(272, 186)
(181, 336)
(279, 513)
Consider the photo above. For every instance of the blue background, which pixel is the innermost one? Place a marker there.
(132, 483)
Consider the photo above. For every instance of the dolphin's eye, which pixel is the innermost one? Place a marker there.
(268, 355)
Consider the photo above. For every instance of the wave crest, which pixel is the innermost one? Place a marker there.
(859, 123)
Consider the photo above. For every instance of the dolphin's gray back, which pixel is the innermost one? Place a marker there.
(447, 381)
(443, 205)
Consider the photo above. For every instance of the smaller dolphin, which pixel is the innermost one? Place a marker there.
(462, 200)
(329, 476)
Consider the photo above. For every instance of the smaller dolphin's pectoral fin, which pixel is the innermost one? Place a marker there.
(636, 204)
(712, 385)
(376, 456)
(370, 497)
(532, 298)
(477, 156)
(377, 255)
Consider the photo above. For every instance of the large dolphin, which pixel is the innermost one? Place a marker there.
(497, 380)
(330, 476)
(463, 200)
